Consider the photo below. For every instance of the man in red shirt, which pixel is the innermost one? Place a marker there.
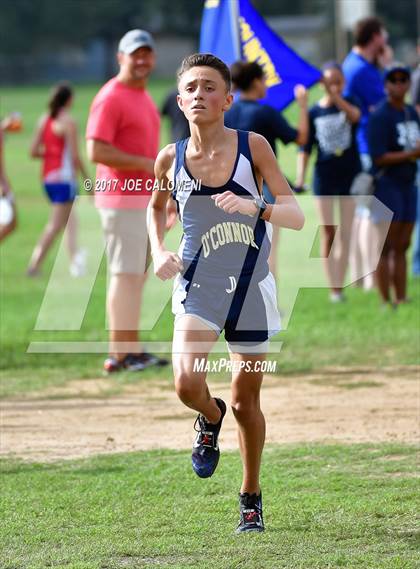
(123, 140)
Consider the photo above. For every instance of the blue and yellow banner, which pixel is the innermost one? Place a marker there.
(233, 29)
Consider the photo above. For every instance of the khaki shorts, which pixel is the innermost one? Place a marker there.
(127, 242)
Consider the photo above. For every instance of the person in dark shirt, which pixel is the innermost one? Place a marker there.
(248, 113)
(394, 146)
(179, 124)
(333, 123)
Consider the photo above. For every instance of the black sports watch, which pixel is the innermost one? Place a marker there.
(261, 205)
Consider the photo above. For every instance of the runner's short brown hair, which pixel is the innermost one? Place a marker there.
(206, 60)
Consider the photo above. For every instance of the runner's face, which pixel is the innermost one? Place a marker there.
(137, 65)
(203, 96)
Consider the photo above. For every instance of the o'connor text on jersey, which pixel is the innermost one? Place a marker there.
(225, 233)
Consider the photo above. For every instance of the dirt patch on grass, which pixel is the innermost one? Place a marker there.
(84, 418)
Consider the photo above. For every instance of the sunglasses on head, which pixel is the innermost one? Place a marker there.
(401, 79)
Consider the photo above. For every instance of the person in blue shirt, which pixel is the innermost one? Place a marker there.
(364, 81)
(332, 130)
(394, 145)
(248, 113)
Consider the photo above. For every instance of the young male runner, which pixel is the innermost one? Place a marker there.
(221, 269)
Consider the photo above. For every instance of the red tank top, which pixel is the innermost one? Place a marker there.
(57, 164)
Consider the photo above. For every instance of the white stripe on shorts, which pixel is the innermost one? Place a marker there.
(269, 295)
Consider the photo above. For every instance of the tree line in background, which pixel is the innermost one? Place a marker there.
(40, 25)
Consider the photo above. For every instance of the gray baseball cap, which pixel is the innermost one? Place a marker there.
(134, 39)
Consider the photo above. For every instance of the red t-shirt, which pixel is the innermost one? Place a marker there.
(128, 119)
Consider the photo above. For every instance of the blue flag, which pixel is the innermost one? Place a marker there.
(233, 30)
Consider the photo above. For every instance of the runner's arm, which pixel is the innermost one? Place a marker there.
(286, 211)
(166, 263)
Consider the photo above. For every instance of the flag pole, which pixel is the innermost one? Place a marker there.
(234, 19)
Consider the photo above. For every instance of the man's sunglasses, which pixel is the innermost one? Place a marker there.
(394, 80)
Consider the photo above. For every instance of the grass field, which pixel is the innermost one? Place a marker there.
(327, 507)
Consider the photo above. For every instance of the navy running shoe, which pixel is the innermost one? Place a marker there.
(251, 516)
(205, 454)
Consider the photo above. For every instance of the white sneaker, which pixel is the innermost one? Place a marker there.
(78, 264)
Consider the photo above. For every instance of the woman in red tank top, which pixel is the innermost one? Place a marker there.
(55, 143)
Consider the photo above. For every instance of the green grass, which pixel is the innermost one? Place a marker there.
(325, 507)
(319, 334)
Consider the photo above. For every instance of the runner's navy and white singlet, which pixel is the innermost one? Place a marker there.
(215, 241)
(226, 280)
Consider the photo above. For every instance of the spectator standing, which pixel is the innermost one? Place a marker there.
(332, 130)
(123, 140)
(394, 143)
(364, 82)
